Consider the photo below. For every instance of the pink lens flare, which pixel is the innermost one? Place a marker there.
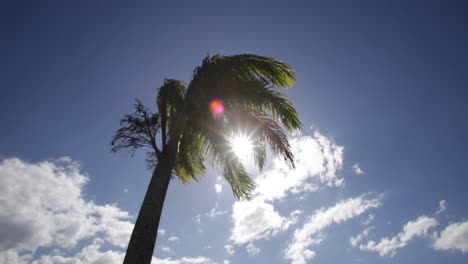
(217, 107)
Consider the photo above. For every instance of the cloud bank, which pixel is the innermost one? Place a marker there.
(411, 230)
(453, 237)
(317, 161)
(42, 207)
(298, 250)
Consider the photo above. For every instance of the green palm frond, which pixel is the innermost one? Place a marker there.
(241, 182)
(257, 96)
(264, 130)
(174, 91)
(259, 152)
(274, 136)
(213, 134)
(190, 159)
(248, 67)
(246, 81)
(170, 100)
(217, 147)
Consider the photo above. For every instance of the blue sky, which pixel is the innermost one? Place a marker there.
(381, 92)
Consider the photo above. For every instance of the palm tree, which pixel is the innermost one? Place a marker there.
(227, 95)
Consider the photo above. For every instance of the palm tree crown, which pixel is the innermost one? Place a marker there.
(245, 84)
(228, 95)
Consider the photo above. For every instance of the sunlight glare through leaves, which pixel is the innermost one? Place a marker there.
(241, 146)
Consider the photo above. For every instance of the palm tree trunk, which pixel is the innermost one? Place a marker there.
(141, 246)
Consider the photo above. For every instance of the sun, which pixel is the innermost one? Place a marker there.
(241, 146)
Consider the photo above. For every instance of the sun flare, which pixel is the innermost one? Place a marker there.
(241, 146)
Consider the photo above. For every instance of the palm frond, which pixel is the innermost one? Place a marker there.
(241, 182)
(223, 158)
(174, 91)
(271, 70)
(257, 96)
(170, 99)
(248, 67)
(265, 130)
(190, 159)
(245, 80)
(259, 152)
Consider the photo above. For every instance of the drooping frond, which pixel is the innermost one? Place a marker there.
(170, 99)
(190, 159)
(231, 168)
(241, 182)
(213, 135)
(259, 152)
(265, 130)
(248, 67)
(256, 96)
(173, 91)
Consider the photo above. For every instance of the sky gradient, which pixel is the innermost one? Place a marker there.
(381, 91)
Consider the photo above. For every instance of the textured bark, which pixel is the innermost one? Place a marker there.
(141, 246)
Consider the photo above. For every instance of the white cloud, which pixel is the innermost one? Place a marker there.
(317, 161)
(89, 254)
(165, 249)
(218, 188)
(359, 237)
(226, 261)
(453, 237)
(173, 239)
(215, 212)
(298, 252)
(117, 232)
(12, 256)
(229, 249)
(197, 219)
(184, 260)
(252, 250)
(27, 188)
(369, 219)
(255, 219)
(36, 213)
(357, 169)
(161, 232)
(411, 230)
(93, 254)
(442, 207)
(42, 205)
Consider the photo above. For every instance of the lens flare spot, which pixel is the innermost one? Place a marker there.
(217, 107)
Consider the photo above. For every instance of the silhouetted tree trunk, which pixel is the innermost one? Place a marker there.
(141, 246)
